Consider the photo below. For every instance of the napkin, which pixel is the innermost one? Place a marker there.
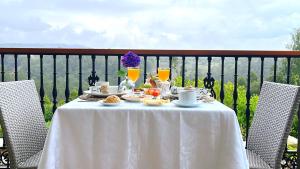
(206, 98)
(88, 97)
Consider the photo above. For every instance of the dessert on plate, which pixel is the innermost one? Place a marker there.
(112, 99)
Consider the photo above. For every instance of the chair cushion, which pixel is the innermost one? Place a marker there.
(32, 162)
(255, 162)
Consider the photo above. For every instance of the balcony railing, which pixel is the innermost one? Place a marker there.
(290, 157)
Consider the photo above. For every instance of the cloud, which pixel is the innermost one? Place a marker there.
(169, 24)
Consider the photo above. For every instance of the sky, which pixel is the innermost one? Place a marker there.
(152, 24)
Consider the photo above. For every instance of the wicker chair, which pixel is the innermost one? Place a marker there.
(23, 123)
(271, 125)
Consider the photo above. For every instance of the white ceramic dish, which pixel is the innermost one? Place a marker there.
(134, 98)
(179, 104)
(113, 90)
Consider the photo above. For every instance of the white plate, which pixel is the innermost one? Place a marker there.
(134, 98)
(103, 95)
(110, 104)
(177, 103)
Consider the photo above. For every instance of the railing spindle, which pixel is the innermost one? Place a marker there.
(67, 90)
(222, 80)
(54, 90)
(196, 71)
(106, 67)
(28, 67)
(183, 71)
(261, 71)
(42, 92)
(235, 92)
(145, 68)
(2, 67)
(16, 67)
(288, 76)
(119, 68)
(248, 96)
(80, 76)
(170, 66)
(93, 78)
(275, 69)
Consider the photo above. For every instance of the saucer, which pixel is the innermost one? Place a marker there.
(177, 103)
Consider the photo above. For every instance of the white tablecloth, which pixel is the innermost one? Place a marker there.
(87, 135)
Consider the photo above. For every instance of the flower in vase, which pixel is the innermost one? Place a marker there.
(130, 59)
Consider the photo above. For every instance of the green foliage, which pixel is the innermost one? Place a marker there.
(121, 73)
(295, 44)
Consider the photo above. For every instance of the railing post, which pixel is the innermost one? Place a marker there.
(2, 67)
(275, 69)
(235, 92)
(67, 90)
(183, 71)
(196, 71)
(145, 68)
(106, 67)
(119, 68)
(209, 81)
(93, 78)
(222, 95)
(170, 65)
(16, 67)
(157, 63)
(262, 71)
(54, 89)
(28, 67)
(42, 92)
(288, 76)
(80, 76)
(248, 97)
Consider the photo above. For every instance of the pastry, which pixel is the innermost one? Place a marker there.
(112, 99)
(104, 89)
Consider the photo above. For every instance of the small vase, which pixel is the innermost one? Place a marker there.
(126, 85)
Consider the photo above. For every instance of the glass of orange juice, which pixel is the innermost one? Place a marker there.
(163, 74)
(133, 73)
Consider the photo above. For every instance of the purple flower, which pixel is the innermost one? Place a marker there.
(130, 59)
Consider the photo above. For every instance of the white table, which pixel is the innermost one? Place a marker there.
(133, 136)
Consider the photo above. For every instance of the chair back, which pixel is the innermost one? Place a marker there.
(272, 121)
(22, 120)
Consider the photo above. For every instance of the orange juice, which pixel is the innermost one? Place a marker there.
(163, 74)
(133, 73)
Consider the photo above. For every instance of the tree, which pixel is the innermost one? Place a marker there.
(295, 62)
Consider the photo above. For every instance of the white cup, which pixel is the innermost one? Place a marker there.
(187, 97)
(102, 83)
(94, 89)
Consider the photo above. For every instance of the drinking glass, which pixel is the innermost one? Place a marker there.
(133, 73)
(163, 74)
